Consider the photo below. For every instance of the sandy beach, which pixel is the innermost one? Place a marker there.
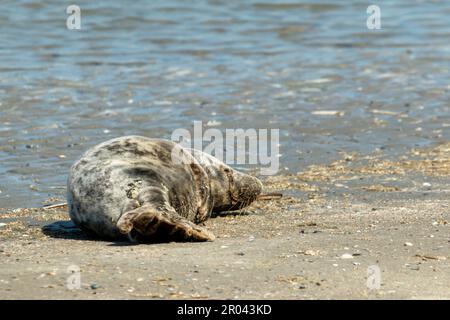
(357, 94)
(333, 225)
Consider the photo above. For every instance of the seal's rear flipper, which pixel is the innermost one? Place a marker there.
(150, 224)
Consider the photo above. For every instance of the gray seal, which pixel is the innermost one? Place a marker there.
(153, 190)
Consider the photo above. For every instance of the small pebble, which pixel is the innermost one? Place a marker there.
(311, 253)
(251, 238)
(94, 286)
(408, 244)
(347, 256)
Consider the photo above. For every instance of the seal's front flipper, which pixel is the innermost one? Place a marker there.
(150, 224)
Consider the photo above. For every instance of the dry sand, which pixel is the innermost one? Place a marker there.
(318, 241)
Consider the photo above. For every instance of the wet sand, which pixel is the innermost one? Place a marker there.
(318, 241)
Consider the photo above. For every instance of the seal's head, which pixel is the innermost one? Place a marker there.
(230, 189)
(243, 189)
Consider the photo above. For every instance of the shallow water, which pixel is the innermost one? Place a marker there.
(149, 67)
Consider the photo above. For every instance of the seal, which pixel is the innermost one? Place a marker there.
(153, 190)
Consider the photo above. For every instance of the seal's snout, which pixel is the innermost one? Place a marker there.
(248, 186)
(245, 189)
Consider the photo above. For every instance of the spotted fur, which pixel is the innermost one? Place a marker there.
(130, 187)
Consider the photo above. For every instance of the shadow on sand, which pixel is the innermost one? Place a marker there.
(69, 231)
(65, 230)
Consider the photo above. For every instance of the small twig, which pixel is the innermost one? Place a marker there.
(270, 196)
(53, 206)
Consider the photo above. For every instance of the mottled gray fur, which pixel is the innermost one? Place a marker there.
(132, 186)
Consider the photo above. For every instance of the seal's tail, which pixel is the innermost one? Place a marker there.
(150, 224)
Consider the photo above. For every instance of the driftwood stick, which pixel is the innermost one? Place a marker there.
(269, 196)
(56, 205)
